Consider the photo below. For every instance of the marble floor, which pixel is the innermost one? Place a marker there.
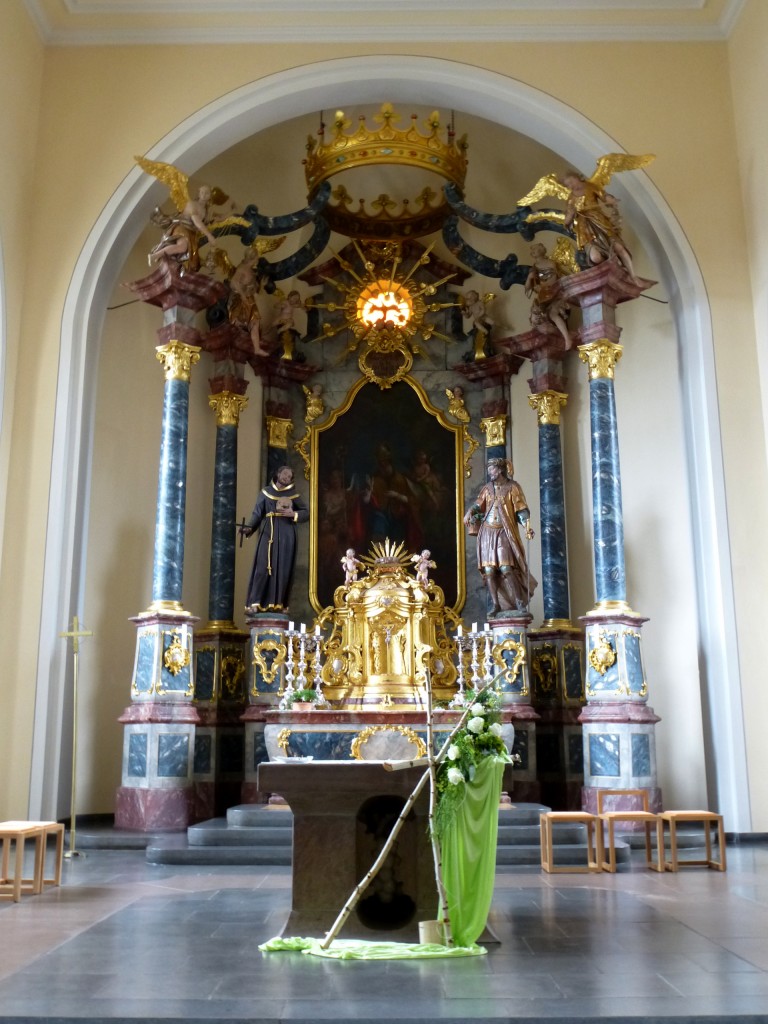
(122, 939)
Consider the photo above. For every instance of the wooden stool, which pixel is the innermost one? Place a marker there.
(644, 816)
(53, 828)
(11, 887)
(707, 818)
(594, 840)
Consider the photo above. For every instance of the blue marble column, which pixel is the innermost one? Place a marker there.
(177, 359)
(608, 525)
(221, 592)
(554, 555)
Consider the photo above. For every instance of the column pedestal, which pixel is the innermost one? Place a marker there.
(557, 676)
(267, 653)
(619, 727)
(510, 656)
(221, 675)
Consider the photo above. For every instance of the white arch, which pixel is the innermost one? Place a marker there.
(442, 83)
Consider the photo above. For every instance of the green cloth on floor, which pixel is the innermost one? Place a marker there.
(358, 949)
(469, 853)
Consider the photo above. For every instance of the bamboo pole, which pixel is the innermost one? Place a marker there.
(437, 855)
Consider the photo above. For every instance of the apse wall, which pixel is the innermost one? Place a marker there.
(266, 169)
(672, 98)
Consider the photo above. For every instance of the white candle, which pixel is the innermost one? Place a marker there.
(303, 627)
(459, 630)
(474, 627)
(486, 627)
(291, 625)
(317, 631)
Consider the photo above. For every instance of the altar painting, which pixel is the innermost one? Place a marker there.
(386, 465)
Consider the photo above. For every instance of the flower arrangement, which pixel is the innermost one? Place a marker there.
(479, 737)
(305, 696)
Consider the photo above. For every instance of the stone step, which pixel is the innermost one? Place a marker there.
(218, 832)
(521, 814)
(257, 815)
(176, 850)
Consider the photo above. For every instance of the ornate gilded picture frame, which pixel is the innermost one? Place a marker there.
(386, 463)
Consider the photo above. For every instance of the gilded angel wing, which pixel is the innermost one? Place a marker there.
(229, 222)
(564, 256)
(217, 259)
(613, 163)
(545, 187)
(175, 180)
(265, 244)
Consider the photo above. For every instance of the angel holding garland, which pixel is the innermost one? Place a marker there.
(182, 230)
(591, 212)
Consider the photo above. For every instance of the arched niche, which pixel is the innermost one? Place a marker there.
(366, 80)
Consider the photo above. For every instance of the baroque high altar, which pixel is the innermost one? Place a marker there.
(391, 539)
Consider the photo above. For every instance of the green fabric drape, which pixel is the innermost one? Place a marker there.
(357, 949)
(469, 852)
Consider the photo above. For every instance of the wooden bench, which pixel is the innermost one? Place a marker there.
(707, 819)
(17, 833)
(594, 830)
(640, 815)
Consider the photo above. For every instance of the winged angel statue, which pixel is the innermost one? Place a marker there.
(591, 212)
(182, 230)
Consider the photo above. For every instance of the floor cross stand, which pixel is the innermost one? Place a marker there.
(74, 634)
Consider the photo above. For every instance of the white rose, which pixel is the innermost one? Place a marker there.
(477, 709)
(476, 725)
(495, 729)
(453, 752)
(455, 776)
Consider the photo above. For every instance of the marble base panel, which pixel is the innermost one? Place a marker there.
(221, 660)
(267, 653)
(510, 640)
(218, 765)
(339, 736)
(614, 660)
(163, 664)
(557, 667)
(158, 755)
(620, 755)
(154, 810)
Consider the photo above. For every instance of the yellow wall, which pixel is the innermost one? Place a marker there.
(21, 71)
(100, 106)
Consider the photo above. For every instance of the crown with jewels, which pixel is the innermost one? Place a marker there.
(409, 147)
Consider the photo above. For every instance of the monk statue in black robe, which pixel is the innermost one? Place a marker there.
(495, 517)
(277, 511)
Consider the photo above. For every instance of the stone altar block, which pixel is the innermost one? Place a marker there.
(342, 815)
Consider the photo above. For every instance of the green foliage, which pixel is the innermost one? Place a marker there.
(306, 696)
(480, 737)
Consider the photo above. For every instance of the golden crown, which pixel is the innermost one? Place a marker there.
(387, 145)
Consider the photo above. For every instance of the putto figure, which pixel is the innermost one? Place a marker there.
(350, 564)
(497, 514)
(279, 508)
(422, 564)
(591, 212)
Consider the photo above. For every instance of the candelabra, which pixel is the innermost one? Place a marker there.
(289, 690)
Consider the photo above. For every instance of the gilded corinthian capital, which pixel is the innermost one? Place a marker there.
(548, 405)
(178, 358)
(227, 406)
(601, 357)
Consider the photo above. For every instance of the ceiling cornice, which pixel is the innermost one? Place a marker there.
(211, 22)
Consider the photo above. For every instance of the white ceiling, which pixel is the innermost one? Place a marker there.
(141, 22)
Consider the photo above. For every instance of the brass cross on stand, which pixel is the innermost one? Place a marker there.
(74, 635)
